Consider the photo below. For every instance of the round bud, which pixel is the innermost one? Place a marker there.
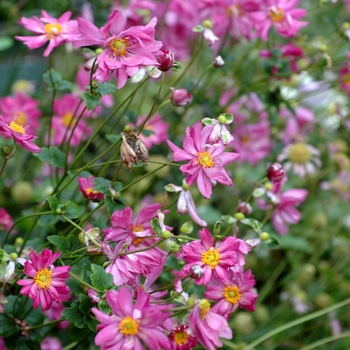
(13, 256)
(98, 51)
(264, 236)
(222, 119)
(244, 208)
(6, 150)
(127, 128)
(196, 272)
(218, 62)
(185, 186)
(186, 228)
(19, 242)
(180, 97)
(239, 216)
(268, 186)
(275, 173)
(207, 24)
(165, 59)
(167, 234)
(22, 192)
(94, 84)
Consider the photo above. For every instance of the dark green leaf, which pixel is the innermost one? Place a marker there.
(106, 88)
(91, 323)
(61, 243)
(74, 315)
(85, 304)
(53, 203)
(112, 206)
(100, 279)
(104, 307)
(53, 155)
(65, 85)
(71, 210)
(8, 326)
(272, 243)
(48, 220)
(92, 100)
(102, 185)
(113, 138)
(255, 224)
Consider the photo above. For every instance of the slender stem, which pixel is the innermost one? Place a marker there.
(229, 344)
(71, 345)
(326, 340)
(3, 166)
(52, 102)
(301, 320)
(47, 324)
(83, 282)
(141, 250)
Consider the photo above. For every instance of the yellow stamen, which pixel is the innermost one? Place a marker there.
(211, 258)
(299, 153)
(52, 30)
(66, 119)
(346, 79)
(205, 159)
(21, 118)
(137, 241)
(277, 14)
(89, 191)
(119, 46)
(181, 337)
(16, 127)
(128, 326)
(204, 306)
(137, 228)
(234, 10)
(43, 278)
(232, 294)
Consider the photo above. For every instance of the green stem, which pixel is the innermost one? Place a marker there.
(3, 166)
(71, 345)
(326, 340)
(83, 282)
(47, 324)
(141, 250)
(294, 323)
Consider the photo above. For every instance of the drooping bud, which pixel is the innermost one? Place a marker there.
(196, 272)
(6, 150)
(244, 208)
(165, 59)
(275, 173)
(218, 62)
(180, 97)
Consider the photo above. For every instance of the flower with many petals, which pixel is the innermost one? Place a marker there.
(181, 339)
(56, 31)
(47, 282)
(86, 187)
(206, 162)
(124, 50)
(129, 325)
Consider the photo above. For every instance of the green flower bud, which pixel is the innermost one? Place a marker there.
(264, 236)
(167, 234)
(239, 216)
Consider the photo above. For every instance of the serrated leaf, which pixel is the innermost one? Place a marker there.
(156, 227)
(228, 219)
(104, 307)
(71, 210)
(92, 100)
(8, 326)
(85, 304)
(74, 315)
(91, 323)
(102, 185)
(112, 206)
(61, 243)
(53, 155)
(48, 220)
(65, 85)
(113, 138)
(255, 224)
(272, 243)
(117, 186)
(100, 279)
(106, 88)
(198, 29)
(53, 203)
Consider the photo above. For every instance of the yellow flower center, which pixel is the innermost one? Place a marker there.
(299, 153)
(119, 46)
(128, 326)
(211, 258)
(204, 306)
(66, 119)
(232, 294)
(277, 14)
(181, 337)
(346, 79)
(52, 30)
(205, 159)
(89, 191)
(137, 241)
(137, 228)
(21, 118)
(16, 127)
(234, 10)
(43, 278)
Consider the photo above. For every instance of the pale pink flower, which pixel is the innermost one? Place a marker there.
(340, 184)
(208, 326)
(235, 291)
(86, 187)
(130, 324)
(206, 162)
(124, 51)
(282, 14)
(56, 31)
(18, 133)
(24, 108)
(214, 257)
(55, 312)
(252, 142)
(344, 76)
(283, 205)
(66, 113)
(50, 343)
(6, 221)
(219, 131)
(47, 283)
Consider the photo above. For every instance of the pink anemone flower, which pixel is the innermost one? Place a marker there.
(124, 51)
(130, 324)
(86, 187)
(56, 31)
(47, 282)
(206, 162)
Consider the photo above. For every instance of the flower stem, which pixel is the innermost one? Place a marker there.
(326, 340)
(83, 282)
(47, 324)
(141, 250)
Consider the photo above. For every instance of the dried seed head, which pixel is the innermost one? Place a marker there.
(133, 149)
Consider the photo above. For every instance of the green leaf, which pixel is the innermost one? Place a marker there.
(8, 326)
(74, 315)
(52, 78)
(5, 43)
(198, 29)
(102, 185)
(112, 206)
(208, 121)
(228, 116)
(156, 227)
(272, 243)
(91, 323)
(48, 220)
(85, 304)
(65, 85)
(53, 155)
(3, 268)
(100, 279)
(228, 219)
(104, 307)
(92, 100)
(53, 202)
(35, 317)
(255, 224)
(113, 138)
(61, 243)
(147, 133)
(71, 210)
(106, 88)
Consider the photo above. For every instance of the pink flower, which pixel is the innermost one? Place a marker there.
(124, 51)
(155, 132)
(56, 31)
(130, 324)
(281, 14)
(206, 162)
(181, 339)
(47, 282)
(55, 312)
(284, 212)
(50, 343)
(252, 142)
(208, 325)
(124, 228)
(86, 188)
(6, 221)
(214, 257)
(233, 292)
(18, 133)
(24, 108)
